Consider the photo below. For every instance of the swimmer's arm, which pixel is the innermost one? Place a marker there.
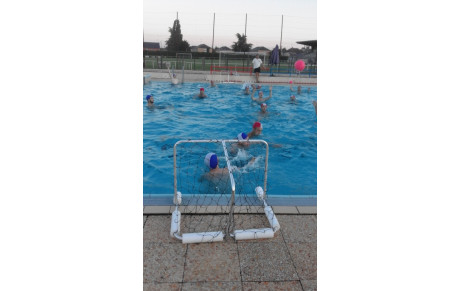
(252, 94)
(270, 95)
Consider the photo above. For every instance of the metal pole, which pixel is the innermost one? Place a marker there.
(213, 25)
(281, 40)
(212, 46)
(245, 24)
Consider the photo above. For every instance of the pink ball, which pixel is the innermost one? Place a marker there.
(299, 65)
(290, 82)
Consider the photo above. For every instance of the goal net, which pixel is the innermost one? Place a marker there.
(220, 191)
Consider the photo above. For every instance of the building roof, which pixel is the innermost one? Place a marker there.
(260, 48)
(203, 46)
(311, 43)
(152, 45)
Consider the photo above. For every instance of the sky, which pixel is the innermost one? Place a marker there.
(264, 19)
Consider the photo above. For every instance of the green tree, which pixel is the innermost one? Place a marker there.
(241, 45)
(175, 42)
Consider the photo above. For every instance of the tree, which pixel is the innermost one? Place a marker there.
(175, 42)
(241, 45)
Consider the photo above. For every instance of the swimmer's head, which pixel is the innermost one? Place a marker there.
(242, 136)
(149, 98)
(292, 98)
(257, 124)
(202, 90)
(211, 160)
(258, 87)
(261, 94)
(263, 107)
(257, 128)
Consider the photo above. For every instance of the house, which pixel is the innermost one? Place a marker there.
(202, 48)
(261, 50)
(223, 49)
(152, 46)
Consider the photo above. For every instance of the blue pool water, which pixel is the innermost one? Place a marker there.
(225, 113)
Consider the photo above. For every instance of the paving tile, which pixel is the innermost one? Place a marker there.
(250, 221)
(298, 228)
(307, 209)
(203, 223)
(164, 263)
(156, 230)
(264, 261)
(162, 286)
(285, 210)
(285, 286)
(248, 209)
(203, 209)
(309, 285)
(212, 262)
(212, 286)
(304, 257)
(157, 209)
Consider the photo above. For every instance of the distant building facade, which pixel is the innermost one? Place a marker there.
(261, 50)
(202, 48)
(152, 46)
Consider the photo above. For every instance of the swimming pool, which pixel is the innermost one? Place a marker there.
(223, 115)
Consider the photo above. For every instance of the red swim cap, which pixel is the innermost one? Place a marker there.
(257, 124)
(201, 89)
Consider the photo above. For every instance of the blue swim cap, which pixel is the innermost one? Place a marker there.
(242, 136)
(148, 97)
(211, 160)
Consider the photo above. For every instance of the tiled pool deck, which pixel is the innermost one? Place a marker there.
(285, 262)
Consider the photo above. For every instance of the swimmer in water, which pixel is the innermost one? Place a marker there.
(201, 94)
(256, 130)
(212, 162)
(242, 143)
(315, 104)
(299, 89)
(261, 98)
(263, 108)
(213, 84)
(246, 88)
(292, 99)
(150, 102)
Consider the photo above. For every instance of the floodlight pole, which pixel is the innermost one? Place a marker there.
(245, 24)
(281, 40)
(212, 46)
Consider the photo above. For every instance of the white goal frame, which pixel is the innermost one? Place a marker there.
(218, 235)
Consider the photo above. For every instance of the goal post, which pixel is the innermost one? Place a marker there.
(225, 178)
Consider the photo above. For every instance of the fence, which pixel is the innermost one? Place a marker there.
(242, 65)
